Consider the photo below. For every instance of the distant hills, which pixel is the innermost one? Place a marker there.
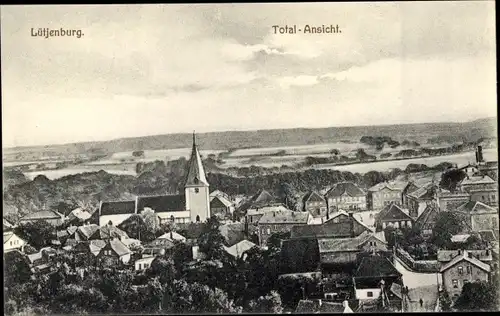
(471, 130)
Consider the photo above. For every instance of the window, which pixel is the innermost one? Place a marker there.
(455, 284)
(468, 270)
(196, 190)
(139, 266)
(269, 231)
(11, 242)
(460, 270)
(369, 294)
(197, 218)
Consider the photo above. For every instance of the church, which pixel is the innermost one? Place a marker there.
(191, 206)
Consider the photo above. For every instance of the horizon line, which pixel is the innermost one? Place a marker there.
(234, 130)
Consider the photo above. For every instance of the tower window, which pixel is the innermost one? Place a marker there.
(195, 180)
(196, 190)
(197, 218)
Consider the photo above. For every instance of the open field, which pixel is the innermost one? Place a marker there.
(462, 158)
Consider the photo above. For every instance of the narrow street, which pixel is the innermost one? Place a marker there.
(421, 286)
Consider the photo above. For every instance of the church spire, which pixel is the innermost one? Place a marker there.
(196, 173)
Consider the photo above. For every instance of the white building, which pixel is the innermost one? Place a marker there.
(11, 241)
(192, 206)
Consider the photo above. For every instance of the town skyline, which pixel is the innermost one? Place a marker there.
(138, 71)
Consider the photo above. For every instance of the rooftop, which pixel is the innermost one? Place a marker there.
(285, 217)
(47, 214)
(376, 266)
(162, 203)
(117, 207)
(465, 255)
(348, 188)
(477, 180)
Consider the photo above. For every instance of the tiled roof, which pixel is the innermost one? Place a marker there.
(488, 235)
(147, 260)
(96, 245)
(394, 186)
(221, 200)
(162, 203)
(376, 266)
(313, 196)
(88, 230)
(232, 232)
(285, 217)
(330, 229)
(118, 247)
(427, 215)
(477, 180)
(424, 192)
(476, 207)
(448, 255)
(349, 188)
(130, 241)
(238, 249)
(460, 238)
(48, 214)
(109, 232)
(465, 256)
(394, 213)
(172, 236)
(265, 209)
(160, 243)
(80, 214)
(117, 207)
(260, 199)
(344, 244)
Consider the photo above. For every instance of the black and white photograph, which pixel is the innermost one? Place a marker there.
(250, 158)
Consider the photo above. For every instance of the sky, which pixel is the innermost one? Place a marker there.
(158, 69)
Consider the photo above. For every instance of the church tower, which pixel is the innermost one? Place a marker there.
(196, 188)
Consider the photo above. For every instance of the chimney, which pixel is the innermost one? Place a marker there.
(479, 154)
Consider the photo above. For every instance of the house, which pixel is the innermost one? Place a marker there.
(315, 204)
(253, 215)
(280, 221)
(448, 201)
(173, 236)
(469, 169)
(481, 188)
(221, 207)
(233, 233)
(131, 243)
(52, 217)
(374, 275)
(239, 250)
(144, 263)
(409, 188)
(463, 268)
(41, 262)
(86, 252)
(85, 232)
(425, 194)
(489, 168)
(108, 232)
(479, 216)
(192, 206)
(393, 215)
(340, 225)
(11, 241)
(345, 196)
(345, 250)
(114, 254)
(385, 193)
(427, 219)
(158, 246)
(79, 215)
(65, 234)
(259, 200)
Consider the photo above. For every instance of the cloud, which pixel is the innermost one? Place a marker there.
(302, 80)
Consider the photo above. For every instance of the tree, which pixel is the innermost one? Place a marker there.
(163, 268)
(138, 153)
(211, 240)
(270, 303)
(445, 301)
(390, 234)
(274, 242)
(38, 234)
(477, 296)
(136, 227)
(17, 268)
(447, 224)
(451, 178)
(335, 152)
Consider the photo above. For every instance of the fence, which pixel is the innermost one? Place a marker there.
(424, 266)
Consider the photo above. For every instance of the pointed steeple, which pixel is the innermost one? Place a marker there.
(196, 172)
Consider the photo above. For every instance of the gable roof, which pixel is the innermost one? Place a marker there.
(465, 256)
(172, 236)
(108, 232)
(7, 236)
(487, 235)
(376, 266)
(47, 214)
(196, 171)
(424, 192)
(428, 215)
(238, 249)
(348, 188)
(331, 229)
(410, 187)
(80, 214)
(221, 200)
(345, 244)
(162, 203)
(460, 238)
(87, 230)
(96, 245)
(285, 217)
(117, 207)
(394, 213)
(313, 196)
(393, 186)
(118, 247)
(476, 207)
(484, 179)
(448, 255)
(260, 199)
